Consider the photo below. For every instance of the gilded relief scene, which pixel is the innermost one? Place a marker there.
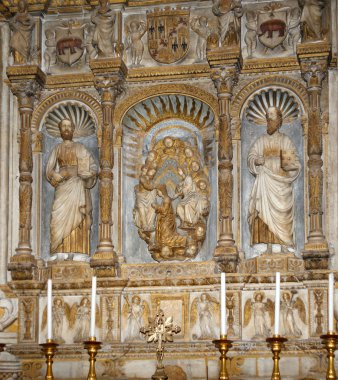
(169, 203)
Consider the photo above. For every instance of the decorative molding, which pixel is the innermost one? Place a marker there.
(62, 96)
(170, 72)
(161, 89)
(275, 81)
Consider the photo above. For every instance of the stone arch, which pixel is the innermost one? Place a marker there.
(241, 99)
(168, 89)
(82, 98)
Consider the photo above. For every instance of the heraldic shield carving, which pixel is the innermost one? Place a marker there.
(168, 34)
(172, 200)
(69, 42)
(272, 26)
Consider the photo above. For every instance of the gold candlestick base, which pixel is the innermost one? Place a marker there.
(330, 342)
(49, 349)
(276, 343)
(223, 345)
(92, 346)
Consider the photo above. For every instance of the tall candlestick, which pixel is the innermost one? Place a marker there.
(331, 289)
(277, 303)
(93, 308)
(223, 307)
(49, 309)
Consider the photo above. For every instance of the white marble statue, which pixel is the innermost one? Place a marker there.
(103, 38)
(274, 163)
(193, 205)
(311, 18)
(22, 25)
(229, 13)
(71, 169)
(251, 32)
(145, 196)
(136, 30)
(200, 26)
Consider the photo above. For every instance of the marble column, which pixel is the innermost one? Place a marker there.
(314, 64)
(109, 86)
(26, 83)
(226, 253)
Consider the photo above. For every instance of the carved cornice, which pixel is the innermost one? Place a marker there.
(312, 50)
(70, 95)
(148, 92)
(24, 73)
(168, 73)
(109, 66)
(224, 56)
(270, 65)
(69, 80)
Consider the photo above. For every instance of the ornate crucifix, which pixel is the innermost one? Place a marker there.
(160, 330)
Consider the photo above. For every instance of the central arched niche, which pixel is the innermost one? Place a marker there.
(253, 125)
(168, 147)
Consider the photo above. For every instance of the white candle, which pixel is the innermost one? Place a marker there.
(223, 307)
(93, 308)
(331, 290)
(49, 309)
(277, 303)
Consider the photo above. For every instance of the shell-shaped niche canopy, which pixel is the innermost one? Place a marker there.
(80, 117)
(258, 106)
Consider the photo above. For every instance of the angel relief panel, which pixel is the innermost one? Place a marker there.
(168, 151)
(204, 317)
(71, 320)
(135, 314)
(258, 319)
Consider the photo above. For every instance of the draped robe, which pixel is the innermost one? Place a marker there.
(71, 218)
(272, 204)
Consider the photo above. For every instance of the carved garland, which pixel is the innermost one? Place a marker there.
(182, 89)
(241, 98)
(75, 96)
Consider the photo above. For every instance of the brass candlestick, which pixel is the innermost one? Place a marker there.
(92, 346)
(223, 345)
(49, 349)
(330, 342)
(276, 344)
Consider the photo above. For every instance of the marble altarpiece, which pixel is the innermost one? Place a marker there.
(155, 144)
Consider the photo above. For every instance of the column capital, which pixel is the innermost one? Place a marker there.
(26, 83)
(225, 78)
(314, 60)
(109, 86)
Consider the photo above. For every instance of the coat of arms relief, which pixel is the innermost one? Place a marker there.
(168, 34)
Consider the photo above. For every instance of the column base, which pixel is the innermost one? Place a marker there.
(104, 263)
(226, 258)
(22, 266)
(271, 263)
(316, 255)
